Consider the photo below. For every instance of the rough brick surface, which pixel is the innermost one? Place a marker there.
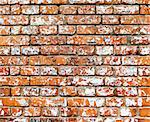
(74, 60)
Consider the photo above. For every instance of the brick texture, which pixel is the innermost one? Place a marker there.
(74, 60)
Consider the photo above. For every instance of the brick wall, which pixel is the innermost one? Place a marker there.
(74, 60)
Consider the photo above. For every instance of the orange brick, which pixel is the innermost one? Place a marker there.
(144, 9)
(144, 81)
(144, 91)
(144, 112)
(16, 91)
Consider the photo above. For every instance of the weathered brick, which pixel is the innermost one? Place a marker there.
(47, 70)
(88, 112)
(126, 9)
(125, 50)
(68, 91)
(68, 112)
(14, 20)
(126, 91)
(50, 111)
(67, 29)
(40, 101)
(16, 111)
(32, 111)
(84, 91)
(128, 111)
(104, 29)
(85, 81)
(110, 19)
(30, 9)
(5, 9)
(45, 30)
(86, 29)
(140, 40)
(83, 19)
(46, 20)
(104, 9)
(86, 9)
(125, 71)
(49, 2)
(68, 9)
(144, 71)
(48, 91)
(104, 91)
(16, 91)
(29, 70)
(87, 102)
(127, 29)
(15, 9)
(112, 60)
(104, 50)
(135, 19)
(49, 9)
(18, 1)
(104, 70)
(4, 111)
(4, 91)
(116, 102)
(104, 111)
(14, 40)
